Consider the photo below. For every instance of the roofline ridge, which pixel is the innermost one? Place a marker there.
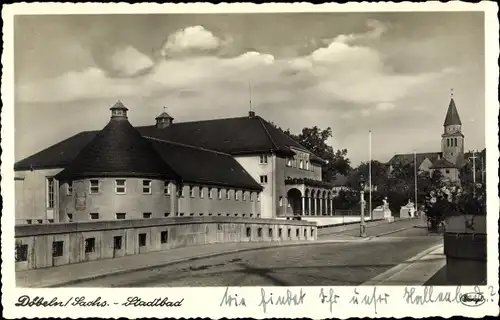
(206, 120)
(186, 145)
(267, 132)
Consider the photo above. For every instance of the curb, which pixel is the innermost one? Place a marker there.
(192, 258)
(387, 275)
(393, 231)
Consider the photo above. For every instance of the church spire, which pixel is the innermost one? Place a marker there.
(452, 117)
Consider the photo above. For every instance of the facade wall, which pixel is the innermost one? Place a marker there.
(251, 163)
(425, 165)
(31, 202)
(451, 152)
(81, 203)
(309, 170)
(241, 203)
(83, 242)
(451, 174)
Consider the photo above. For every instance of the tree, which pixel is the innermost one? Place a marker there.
(380, 177)
(315, 140)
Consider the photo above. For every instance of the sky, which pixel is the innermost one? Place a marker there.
(390, 73)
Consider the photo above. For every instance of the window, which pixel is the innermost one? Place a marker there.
(219, 193)
(40, 221)
(447, 170)
(259, 232)
(244, 196)
(164, 237)
(70, 217)
(297, 233)
(289, 233)
(166, 214)
(57, 248)
(236, 195)
(146, 186)
(180, 192)
(301, 164)
(28, 221)
(191, 214)
(227, 194)
(455, 140)
(258, 196)
(307, 165)
(200, 190)
(51, 220)
(117, 242)
(89, 245)
(249, 232)
(280, 232)
(219, 227)
(201, 213)
(210, 193)
(166, 188)
(263, 179)
(270, 232)
(50, 193)
(191, 192)
(94, 186)
(263, 159)
(146, 215)
(289, 162)
(94, 216)
(312, 232)
(120, 186)
(120, 216)
(305, 232)
(181, 214)
(69, 189)
(281, 201)
(142, 239)
(21, 252)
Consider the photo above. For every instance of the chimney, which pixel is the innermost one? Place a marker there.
(251, 114)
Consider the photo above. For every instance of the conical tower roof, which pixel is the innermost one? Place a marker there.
(118, 150)
(452, 117)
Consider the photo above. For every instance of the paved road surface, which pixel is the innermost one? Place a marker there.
(346, 263)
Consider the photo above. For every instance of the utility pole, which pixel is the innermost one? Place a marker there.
(474, 171)
(415, 173)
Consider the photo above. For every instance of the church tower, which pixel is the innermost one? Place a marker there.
(452, 140)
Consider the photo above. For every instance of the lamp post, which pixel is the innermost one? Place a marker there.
(362, 227)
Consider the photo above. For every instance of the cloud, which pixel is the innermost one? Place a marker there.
(195, 38)
(339, 75)
(129, 61)
(376, 30)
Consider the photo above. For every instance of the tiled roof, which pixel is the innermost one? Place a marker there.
(197, 165)
(58, 155)
(234, 136)
(452, 117)
(117, 150)
(442, 163)
(409, 158)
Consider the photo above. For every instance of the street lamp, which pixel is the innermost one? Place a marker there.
(362, 227)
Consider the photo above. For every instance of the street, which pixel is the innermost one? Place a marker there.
(335, 264)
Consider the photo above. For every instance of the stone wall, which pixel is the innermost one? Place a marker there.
(47, 245)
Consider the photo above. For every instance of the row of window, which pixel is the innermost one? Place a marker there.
(121, 188)
(280, 232)
(40, 221)
(301, 164)
(21, 250)
(148, 215)
(451, 142)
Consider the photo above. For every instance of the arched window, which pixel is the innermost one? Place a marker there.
(447, 142)
(455, 141)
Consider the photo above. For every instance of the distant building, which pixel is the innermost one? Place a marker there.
(233, 167)
(451, 157)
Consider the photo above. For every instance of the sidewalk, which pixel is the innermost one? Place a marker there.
(418, 270)
(78, 272)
